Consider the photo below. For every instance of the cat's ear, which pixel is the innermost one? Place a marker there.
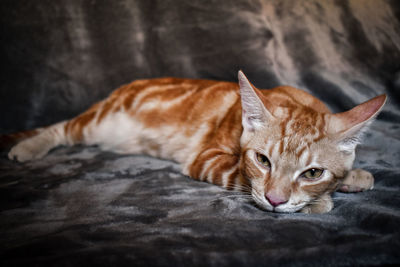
(348, 126)
(254, 113)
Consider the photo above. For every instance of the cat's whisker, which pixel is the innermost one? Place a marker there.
(240, 187)
(339, 198)
(235, 196)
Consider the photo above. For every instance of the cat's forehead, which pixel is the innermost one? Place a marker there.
(304, 123)
(299, 142)
(293, 134)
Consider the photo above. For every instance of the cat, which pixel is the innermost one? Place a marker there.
(281, 146)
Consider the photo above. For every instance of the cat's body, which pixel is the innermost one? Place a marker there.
(271, 144)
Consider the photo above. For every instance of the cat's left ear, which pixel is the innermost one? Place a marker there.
(254, 113)
(348, 126)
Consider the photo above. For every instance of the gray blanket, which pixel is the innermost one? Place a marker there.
(80, 206)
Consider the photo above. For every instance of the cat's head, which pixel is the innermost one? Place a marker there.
(292, 153)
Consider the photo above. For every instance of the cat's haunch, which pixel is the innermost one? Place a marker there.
(281, 146)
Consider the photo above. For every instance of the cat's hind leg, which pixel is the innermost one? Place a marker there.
(38, 145)
(357, 180)
(63, 133)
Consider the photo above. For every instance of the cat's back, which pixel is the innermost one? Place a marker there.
(177, 100)
(168, 88)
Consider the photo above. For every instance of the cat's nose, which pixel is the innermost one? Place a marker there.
(275, 200)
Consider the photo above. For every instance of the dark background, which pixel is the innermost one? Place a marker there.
(83, 207)
(58, 57)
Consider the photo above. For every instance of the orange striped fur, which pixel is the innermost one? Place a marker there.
(219, 131)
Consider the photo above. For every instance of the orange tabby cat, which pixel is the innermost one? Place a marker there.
(282, 146)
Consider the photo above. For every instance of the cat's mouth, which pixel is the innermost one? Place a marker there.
(288, 207)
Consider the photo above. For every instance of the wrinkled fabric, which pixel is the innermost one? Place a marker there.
(80, 206)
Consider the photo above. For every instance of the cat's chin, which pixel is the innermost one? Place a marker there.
(288, 210)
(280, 210)
(283, 209)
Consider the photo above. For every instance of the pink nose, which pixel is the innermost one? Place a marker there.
(275, 200)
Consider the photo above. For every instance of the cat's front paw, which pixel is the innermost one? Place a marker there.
(357, 180)
(27, 150)
(321, 205)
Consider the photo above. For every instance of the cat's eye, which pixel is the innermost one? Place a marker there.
(312, 173)
(263, 160)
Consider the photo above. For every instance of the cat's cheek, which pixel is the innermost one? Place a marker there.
(312, 188)
(260, 202)
(316, 189)
(249, 168)
(348, 161)
(342, 162)
(246, 138)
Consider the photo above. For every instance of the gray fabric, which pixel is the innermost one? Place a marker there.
(81, 207)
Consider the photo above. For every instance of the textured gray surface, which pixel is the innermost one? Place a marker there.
(81, 207)
(58, 57)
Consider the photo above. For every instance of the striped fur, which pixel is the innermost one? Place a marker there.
(215, 130)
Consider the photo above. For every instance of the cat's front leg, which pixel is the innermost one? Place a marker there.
(357, 180)
(215, 166)
(322, 204)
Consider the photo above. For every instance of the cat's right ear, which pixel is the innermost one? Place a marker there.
(254, 113)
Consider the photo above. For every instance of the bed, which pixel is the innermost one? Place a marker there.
(80, 206)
